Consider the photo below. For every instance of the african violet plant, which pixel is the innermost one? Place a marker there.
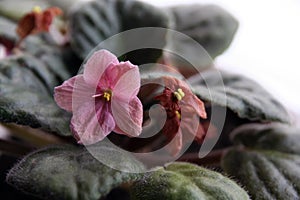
(177, 128)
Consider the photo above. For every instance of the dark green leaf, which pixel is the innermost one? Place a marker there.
(65, 172)
(27, 81)
(40, 46)
(266, 161)
(210, 25)
(186, 181)
(65, 5)
(240, 94)
(53, 57)
(26, 86)
(95, 21)
(7, 29)
(276, 137)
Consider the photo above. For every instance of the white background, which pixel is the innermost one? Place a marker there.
(266, 46)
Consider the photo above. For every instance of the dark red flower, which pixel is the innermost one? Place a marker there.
(37, 21)
(183, 110)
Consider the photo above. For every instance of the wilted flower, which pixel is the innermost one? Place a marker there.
(6, 47)
(37, 21)
(103, 99)
(183, 110)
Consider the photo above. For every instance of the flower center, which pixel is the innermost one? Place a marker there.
(37, 9)
(179, 94)
(107, 95)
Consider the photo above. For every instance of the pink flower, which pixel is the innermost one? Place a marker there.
(183, 110)
(102, 99)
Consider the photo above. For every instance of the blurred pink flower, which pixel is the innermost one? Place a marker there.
(103, 99)
(183, 110)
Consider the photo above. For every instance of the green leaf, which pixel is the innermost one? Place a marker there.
(7, 29)
(95, 21)
(186, 181)
(240, 94)
(54, 57)
(41, 47)
(210, 25)
(65, 5)
(266, 160)
(67, 172)
(27, 81)
(277, 137)
(26, 86)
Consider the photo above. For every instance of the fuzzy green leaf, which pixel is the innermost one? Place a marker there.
(210, 25)
(180, 181)
(240, 94)
(27, 81)
(266, 160)
(26, 86)
(67, 172)
(95, 21)
(277, 137)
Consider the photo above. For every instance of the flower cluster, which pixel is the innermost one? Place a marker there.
(104, 99)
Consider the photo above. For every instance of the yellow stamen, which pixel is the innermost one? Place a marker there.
(179, 94)
(37, 9)
(107, 95)
(178, 114)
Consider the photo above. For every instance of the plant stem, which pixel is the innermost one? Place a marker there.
(35, 137)
(14, 148)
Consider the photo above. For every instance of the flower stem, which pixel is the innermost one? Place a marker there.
(35, 137)
(14, 148)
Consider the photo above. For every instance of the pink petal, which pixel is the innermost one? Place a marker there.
(96, 66)
(71, 91)
(193, 101)
(173, 83)
(175, 146)
(189, 98)
(190, 125)
(90, 126)
(127, 80)
(128, 116)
